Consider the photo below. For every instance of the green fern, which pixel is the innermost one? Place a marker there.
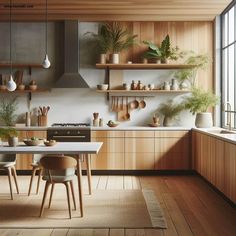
(7, 111)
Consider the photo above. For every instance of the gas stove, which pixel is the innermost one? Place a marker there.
(70, 125)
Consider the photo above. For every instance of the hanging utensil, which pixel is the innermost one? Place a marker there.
(142, 104)
(122, 104)
(127, 115)
(134, 104)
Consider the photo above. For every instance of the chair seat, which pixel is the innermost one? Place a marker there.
(59, 179)
(6, 164)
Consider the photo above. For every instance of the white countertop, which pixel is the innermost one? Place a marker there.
(215, 132)
(144, 128)
(59, 148)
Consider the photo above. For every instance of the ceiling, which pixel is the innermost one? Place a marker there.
(115, 10)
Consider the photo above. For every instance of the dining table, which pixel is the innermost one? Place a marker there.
(77, 149)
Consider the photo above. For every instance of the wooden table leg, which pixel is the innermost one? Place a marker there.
(79, 176)
(89, 173)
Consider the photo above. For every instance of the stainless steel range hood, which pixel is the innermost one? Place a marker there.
(71, 77)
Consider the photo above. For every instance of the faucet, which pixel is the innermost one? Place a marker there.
(229, 111)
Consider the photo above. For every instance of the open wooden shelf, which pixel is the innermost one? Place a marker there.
(143, 91)
(29, 66)
(140, 66)
(26, 91)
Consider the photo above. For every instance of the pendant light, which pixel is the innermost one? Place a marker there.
(11, 85)
(46, 63)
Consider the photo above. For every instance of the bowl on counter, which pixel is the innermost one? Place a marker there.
(112, 125)
(21, 87)
(50, 143)
(102, 86)
(33, 142)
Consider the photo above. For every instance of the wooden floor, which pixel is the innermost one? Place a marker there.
(190, 206)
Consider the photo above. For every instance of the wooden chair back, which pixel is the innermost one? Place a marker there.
(58, 162)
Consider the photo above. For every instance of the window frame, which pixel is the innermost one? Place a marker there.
(224, 47)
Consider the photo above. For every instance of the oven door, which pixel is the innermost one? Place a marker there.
(69, 135)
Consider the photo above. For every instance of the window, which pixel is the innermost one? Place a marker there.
(228, 52)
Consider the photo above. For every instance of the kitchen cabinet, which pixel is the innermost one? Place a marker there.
(215, 160)
(142, 150)
(111, 155)
(139, 150)
(24, 161)
(172, 150)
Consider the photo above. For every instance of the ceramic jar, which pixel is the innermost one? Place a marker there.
(174, 85)
(166, 85)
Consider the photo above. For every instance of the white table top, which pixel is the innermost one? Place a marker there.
(59, 148)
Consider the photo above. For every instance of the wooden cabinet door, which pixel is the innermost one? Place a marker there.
(23, 161)
(230, 171)
(172, 153)
(139, 150)
(111, 155)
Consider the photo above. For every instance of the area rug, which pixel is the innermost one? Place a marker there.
(102, 209)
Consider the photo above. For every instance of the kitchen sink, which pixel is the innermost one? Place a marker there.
(221, 131)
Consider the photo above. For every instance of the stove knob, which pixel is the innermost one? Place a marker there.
(68, 132)
(78, 132)
(55, 132)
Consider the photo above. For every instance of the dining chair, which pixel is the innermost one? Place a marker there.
(58, 169)
(36, 167)
(7, 162)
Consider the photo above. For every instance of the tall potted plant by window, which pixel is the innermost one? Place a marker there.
(198, 103)
(119, 40)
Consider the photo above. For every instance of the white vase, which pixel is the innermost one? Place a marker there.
(13, 141)
(115, 58)
(168, 122)
(103, 58)
(204, 120)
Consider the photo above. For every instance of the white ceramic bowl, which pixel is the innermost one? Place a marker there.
(102, 86)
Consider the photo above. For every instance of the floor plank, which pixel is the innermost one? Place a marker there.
(59, 232)
(117, 232)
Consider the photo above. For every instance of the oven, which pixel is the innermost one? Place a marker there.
(70, 132)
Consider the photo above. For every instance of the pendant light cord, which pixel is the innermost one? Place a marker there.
(46, 26)
(10, 36)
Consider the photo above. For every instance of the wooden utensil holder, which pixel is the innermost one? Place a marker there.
(42, 120)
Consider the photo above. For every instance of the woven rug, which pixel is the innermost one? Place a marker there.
(102, 209)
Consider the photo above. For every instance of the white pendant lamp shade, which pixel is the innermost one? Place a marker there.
(11, 85)
(46, 63)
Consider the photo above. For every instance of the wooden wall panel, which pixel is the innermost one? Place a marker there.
(188, 36)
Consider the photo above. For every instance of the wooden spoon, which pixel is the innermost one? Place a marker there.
(142, 104)
(127, 115)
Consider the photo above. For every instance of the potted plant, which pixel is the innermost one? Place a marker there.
(170, 111)
(188, 76)
(9, 134)
(163, 53)
(7, 111)
(103, 40)
(198, 103)
(119, 40)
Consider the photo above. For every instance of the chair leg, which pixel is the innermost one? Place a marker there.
(44, 197)
(73, 193)
(39, 178)
(15, 178)
(31, 179)
(68, 197)
(10, 182)
(50, 199)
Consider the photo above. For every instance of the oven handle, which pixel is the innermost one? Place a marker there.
(65, 137)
